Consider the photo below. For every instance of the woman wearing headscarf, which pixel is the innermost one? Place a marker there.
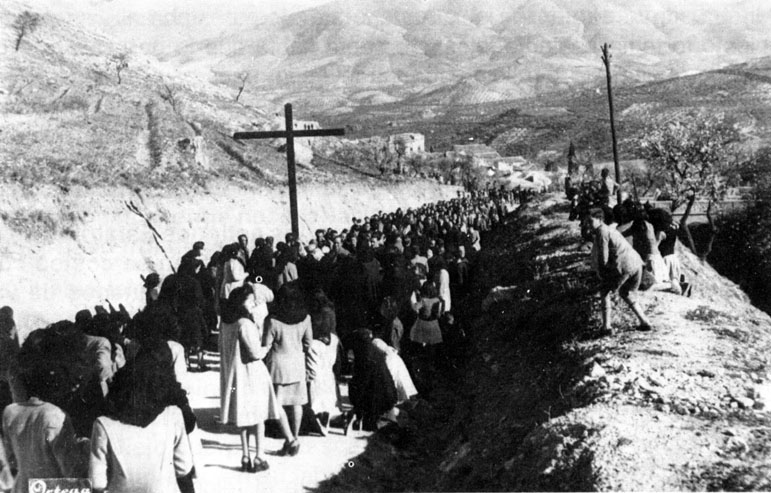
(372, 390)
(286, 265)
(262, 296)
(247, 397)
(288, 335)
(38, 434)
(405, 388)
(321, 362)
(233, 271)
(142, 443)
(159, 327)
(190, 304)
(207, 278)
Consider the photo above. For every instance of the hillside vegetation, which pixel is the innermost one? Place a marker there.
(67, 120)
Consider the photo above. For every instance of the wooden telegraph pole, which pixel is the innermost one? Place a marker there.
(606, 60)
(289, 133)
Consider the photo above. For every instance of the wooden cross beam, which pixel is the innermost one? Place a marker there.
(289, 134)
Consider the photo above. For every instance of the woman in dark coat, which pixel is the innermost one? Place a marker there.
(371, 276)
(372, 390)
(189, 304)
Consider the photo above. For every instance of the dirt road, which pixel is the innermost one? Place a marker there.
(319, 457)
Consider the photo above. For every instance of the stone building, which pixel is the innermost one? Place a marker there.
(412, 143)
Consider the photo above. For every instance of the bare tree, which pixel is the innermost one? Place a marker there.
(242, 78)
(25, 23)
(120, 62)
(170, 94)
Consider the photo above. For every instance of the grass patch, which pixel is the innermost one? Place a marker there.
(35, 224)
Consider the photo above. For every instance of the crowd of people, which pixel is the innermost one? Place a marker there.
(371, 305)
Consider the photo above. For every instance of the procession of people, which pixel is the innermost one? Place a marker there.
(369, 307)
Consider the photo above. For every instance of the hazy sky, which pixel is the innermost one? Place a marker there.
(127, 6)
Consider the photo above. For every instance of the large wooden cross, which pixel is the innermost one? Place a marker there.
(289, 134)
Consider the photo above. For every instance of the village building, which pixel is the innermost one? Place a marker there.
(411, 143)
(507, 165)
(484, 156)
(480, 154)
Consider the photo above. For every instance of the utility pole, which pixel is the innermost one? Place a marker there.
(606, 60)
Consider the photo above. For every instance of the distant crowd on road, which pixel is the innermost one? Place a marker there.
(103, 396)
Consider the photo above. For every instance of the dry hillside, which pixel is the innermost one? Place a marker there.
(67, 120)
(540, 402)
(77, 149)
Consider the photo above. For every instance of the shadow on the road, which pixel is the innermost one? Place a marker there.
(208, 420)
(213, 444)
(229, 468)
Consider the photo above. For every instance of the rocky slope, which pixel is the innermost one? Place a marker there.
(542, 403)
(70, 118)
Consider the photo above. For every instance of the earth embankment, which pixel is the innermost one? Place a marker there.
(62, 250)
(542, 402)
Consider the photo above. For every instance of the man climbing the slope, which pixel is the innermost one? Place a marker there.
(619, 267)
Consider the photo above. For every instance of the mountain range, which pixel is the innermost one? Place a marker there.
(341, 64)
(351, 52)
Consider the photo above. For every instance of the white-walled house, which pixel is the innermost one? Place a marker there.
(413, 143)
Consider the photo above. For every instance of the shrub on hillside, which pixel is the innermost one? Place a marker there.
(742, 251)
(24, 23)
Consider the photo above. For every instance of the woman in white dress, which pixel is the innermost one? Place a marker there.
(234, 272)
(247, 397)
(442, 280)
(320, 363)
(405, 388)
